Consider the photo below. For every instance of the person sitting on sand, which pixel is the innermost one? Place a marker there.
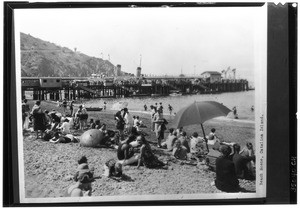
(97, 124)
(65, 127)
(197, 147)
(226, 178)
(48, 117)
(169, 143)
(248, 150)
(146, 157)
(55, 121)
(112, 169)
(240, 163)
(92, 124)
(212, 138)
(126, 153)
(179, 131)
(184, 141)
(179, 151)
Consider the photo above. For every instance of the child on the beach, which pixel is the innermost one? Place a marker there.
(83, 178)
(112, 168)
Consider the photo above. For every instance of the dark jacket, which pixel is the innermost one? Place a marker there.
(226, 179)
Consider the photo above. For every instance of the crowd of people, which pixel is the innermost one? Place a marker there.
(134, 149)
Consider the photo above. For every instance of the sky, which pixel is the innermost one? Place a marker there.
(165, 41)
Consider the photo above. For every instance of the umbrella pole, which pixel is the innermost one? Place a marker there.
(204, 137)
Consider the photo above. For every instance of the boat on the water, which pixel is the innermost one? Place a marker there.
(156, 95)
(94, 108)
(175, 93)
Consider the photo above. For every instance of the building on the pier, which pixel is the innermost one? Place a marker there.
(211, 76)
(138, 72)
(118, 70)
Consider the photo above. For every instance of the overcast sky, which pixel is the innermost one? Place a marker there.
(168, 40)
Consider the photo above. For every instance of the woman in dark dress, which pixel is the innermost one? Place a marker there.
(226, 178)
(146, 155)
(39, 119)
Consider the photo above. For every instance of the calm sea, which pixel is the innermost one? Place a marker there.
(242, 100)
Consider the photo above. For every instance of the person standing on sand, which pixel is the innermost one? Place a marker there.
(145, 107)
(120, 124)
(71, 108)
(39, 119)
(26, 113)
(104, 106)
(234, 110)
(64, 104)
(153, 111)
(128, 120)
(170, 109)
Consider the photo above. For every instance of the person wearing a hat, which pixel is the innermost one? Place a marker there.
(39, 119)
(226, 178)
(83, 185)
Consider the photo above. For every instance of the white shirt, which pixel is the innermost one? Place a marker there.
(128, 119)
(194, 141)
(65, 128)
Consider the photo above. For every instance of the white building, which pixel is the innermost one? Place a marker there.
(211, 76)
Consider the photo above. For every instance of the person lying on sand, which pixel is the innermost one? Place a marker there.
(59, 138)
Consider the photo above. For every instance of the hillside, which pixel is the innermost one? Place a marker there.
(42, 58)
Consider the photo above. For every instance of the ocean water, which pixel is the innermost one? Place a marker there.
(242, 100)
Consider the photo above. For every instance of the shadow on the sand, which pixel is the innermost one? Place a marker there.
(124, 177)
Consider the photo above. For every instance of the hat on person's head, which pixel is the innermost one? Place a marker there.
(225, 150)
(83, 167)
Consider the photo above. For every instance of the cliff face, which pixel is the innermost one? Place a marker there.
(42, 58)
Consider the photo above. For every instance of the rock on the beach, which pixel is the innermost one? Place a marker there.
(91, 138)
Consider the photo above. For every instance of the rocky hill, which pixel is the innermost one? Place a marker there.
(42, 58)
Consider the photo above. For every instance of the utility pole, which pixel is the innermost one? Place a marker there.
(140, 60)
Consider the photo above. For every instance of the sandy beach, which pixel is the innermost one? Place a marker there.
(49, 168)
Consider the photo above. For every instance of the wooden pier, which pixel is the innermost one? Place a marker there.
(62, 89)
